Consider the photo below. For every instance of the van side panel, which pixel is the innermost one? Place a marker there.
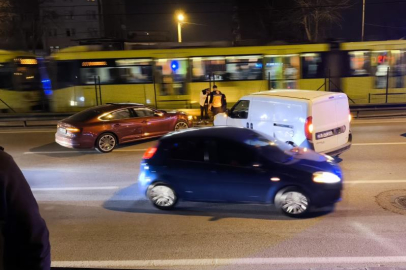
(281, 118)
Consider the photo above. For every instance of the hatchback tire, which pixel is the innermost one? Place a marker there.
(162, 196)
(106, 142)
(181, 125)
(292, 202)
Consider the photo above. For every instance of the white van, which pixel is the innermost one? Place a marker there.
(312, 119)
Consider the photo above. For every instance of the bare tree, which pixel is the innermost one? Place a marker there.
(316, 15)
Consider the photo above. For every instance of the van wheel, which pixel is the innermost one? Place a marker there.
(106, 142)
(162, 197)
(292, 202)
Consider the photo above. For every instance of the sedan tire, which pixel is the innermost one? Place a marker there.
(292, 202)
(162, 196)
(180, 125)
(106, 142)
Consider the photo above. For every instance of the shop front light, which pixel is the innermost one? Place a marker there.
(325, 178)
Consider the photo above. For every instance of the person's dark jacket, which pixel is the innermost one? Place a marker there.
(24, 233)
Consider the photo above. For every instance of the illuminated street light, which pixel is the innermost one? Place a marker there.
(180, 18)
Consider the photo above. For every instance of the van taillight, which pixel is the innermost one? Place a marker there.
(149, 153)
(349, 116)
(309, 128)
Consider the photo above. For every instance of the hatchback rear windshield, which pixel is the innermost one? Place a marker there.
(85, 115)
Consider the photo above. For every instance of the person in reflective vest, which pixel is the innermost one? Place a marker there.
(24, 237)
(217, 101)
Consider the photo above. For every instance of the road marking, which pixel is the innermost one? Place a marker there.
(26, 131)
(377, 121)
(75, 188)
(373, 181)
(384, 143)
(81, 152)
(231, 261)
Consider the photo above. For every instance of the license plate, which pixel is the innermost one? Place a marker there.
(324, 134)
(62, 130)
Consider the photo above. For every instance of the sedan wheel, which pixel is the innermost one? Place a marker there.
(181, 125)
(162, 197)
(293, 203)
(106, 143)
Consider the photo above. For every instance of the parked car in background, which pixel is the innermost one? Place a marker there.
(104, 127)
(313, 119)
(237, 165)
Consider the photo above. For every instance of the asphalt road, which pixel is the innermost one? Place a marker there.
(97, 219)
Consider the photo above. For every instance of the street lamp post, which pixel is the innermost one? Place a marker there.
(363, 20)
(181, 17)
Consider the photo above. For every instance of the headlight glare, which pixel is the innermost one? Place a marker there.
(325, 178)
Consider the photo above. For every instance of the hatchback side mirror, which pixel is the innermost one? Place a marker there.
(160, 114)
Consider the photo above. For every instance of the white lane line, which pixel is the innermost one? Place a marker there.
(377, 122)
(231, 261)
(383, 143)
(75, 188)
(81, 152)
(27, 131)
(373, 181)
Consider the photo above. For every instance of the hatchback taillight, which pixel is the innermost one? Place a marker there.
(149, 153)
(309, 128)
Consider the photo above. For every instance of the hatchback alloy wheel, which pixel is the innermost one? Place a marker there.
(292, 202)
(162, 197)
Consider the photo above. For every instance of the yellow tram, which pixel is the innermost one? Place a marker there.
(173, 78)
(20, 82)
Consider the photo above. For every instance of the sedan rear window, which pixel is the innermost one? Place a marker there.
(85, 115)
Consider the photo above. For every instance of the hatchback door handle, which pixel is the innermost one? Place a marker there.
(213, 171)
(116, 125)
(144, 122)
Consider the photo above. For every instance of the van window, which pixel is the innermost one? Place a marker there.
(240, 110)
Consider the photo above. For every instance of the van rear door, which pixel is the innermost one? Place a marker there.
(330, 122)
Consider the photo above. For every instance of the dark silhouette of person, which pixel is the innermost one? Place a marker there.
(24, 238)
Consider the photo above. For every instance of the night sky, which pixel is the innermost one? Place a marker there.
(385, 19)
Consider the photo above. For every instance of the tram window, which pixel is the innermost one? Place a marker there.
(117, 75)
(66, 73)
(6, 74)
(312, 65)
(204, 69)
(282, 70)
(240, 68)
(380, 65)
(398, 68)
(172, 74)
(360, 63)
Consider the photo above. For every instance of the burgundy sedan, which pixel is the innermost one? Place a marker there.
(106, 126)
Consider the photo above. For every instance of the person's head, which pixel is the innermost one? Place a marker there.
(208, 90)
(215, 88)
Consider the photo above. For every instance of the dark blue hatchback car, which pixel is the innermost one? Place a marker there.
(236, 165)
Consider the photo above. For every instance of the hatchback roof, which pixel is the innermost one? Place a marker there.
(221, 132)
(300, 94)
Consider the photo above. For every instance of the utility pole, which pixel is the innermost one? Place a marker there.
(363, 20)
